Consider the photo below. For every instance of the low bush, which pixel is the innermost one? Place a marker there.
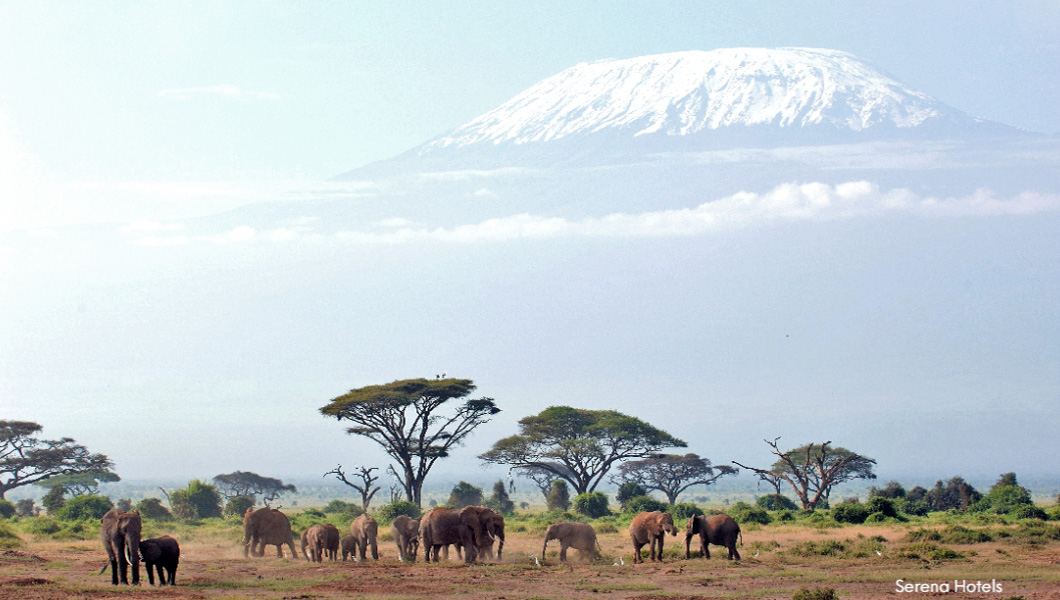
(389, 512)
(819, 593)
(849, 512)
(152, 508)
(1030, 511)
(237, 506)
(928, 551)
(917, 508)
(775, 502)
(8, 537)
(682, 511)
(639, 504)
(743, 512)
(951, 534)
(85, 507)
(347, 510)
(591, 504)
(818, 548)
(884, 506)
(7, 509)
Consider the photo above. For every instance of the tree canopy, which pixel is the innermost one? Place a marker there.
(80, 484)
(26, 459)
(251, 485)
(672, 474)
(578, 445)
(813, 469)
(408, 420)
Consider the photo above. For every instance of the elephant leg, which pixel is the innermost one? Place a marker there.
(706, 549)
(562, 551)
(136, 573)
(733, 553)
(151, 575)
(375, 549)
(113, 571)
(636, 552)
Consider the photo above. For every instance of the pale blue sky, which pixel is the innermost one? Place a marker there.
(926, 331)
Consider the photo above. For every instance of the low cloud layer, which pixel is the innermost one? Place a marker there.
(224, 90)
(790, 202)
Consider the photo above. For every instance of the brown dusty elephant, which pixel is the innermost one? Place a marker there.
(331, 542)
(349, 547)
(465, 527)
(406, 533)
(365, 531)
(120, 534)
(494, 524)
(266, 526)
(314, 540)
(650, 528)
(720, 530)
(161, 553)
(579, 536)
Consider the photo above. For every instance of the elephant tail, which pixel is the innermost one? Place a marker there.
(104, 569)
(741, 538)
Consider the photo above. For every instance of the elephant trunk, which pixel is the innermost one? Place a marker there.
(132, 543)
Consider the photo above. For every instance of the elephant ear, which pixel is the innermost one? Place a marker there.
(150, 551)
(693, 525)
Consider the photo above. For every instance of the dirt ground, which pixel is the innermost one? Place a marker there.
(216, 569)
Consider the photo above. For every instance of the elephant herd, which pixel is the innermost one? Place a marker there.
(472, 530)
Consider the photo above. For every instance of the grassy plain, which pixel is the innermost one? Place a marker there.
(857, 561)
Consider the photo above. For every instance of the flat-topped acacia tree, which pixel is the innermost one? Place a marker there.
(410, 421)
(578, 445)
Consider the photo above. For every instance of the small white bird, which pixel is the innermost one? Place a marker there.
(756, 554)
(400, 559)
(537, 562)
(615, 565)
(621, 561)
(878, 553)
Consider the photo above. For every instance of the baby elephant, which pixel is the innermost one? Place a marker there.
(720, 530)
(349, 547)
(579, 536)
(161, 553)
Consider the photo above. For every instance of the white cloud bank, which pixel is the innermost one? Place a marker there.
(790, 202)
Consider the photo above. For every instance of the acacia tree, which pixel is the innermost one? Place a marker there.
(406, 418)
(26, 459)
(364, 486)
(812, 470)
(541, 477)
(672, 474)
(80, 484)
(578, 445)
(251, 485)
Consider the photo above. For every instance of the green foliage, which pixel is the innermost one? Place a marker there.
(883, 505)
(784, 516)
(7, 509)
(54, 499)
(956, 493)
(682, 511)
(850, 512)
(775, 502)
(25, 459)
(152, 508)
(558, 496)
(123, 504)
(917, 508)
(26, 507)
(500, 501)
(818, 548)
(199, 500)
(348, 510)
(928, 551)
(88, 506)
(1008, 497)
(951, 534)
(591, 504)
(8, 537)
(245, 483)
(464, 494)
(817, 593)
(743, 512)
(892, 490)
(389, 512)
(237, 506)
(639, 504)
(1030, 511)
(306, 519)
(628, 490)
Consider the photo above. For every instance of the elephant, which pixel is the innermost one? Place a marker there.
(365, 531)
(349, 547)
(494, 524)
(331, 541)
(650, 528)
(579, 536)
(161, 553)
(266, 526)
(120, 534)
(465, 527)
(720, 530)
(406, 532)
(314, 540)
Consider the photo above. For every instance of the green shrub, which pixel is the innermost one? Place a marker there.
(917, 508)
(152, 508)
(54, 499)
(1030, 511)
(199, 500)
(818, 548)
(850, 512)
(743, 512)
(348, 510)
(629, 490)
(389, 512)
(7, 509)
(882, 505)
(951, 534)
(237, 506)
(639, 504)
(682, 511)
(464, 494)
(821, 593)
(775, 502)
(26, 507)
(43, 526)
(784, 516)
(88, 506)
(558, 497)
(591, 504)
(8, 537)
(928, 551)
(307, 518)
(499, 500)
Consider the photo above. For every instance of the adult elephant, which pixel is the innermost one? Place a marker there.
(331, 541)
(493, 521)
(580, 536)
(406, 533)
(650, 528)
(314, 540)
(120, 534)
(161, 553)
(720, 530)
(365, 532)
(266, 526)
(465, 527)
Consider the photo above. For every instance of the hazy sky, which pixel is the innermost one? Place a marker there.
(132, 113)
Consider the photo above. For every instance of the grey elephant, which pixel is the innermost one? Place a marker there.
(406, 533)
(349, 547)
(720, 530)
(314, 540)
(266, 526)
(120, 534)
(365, 531)
(465, 527)
(161, 553)
(579, 536)
(650, 528)
(331, 541)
